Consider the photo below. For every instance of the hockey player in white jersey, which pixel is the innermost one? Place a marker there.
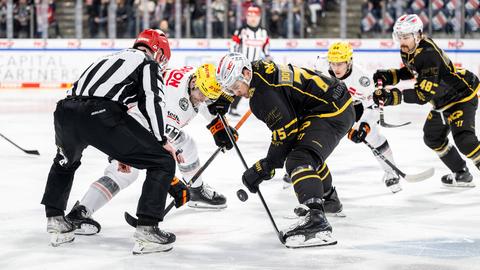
(187, 89)
(340, 65)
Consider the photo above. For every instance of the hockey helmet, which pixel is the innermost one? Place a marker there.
(340, 51)
(157, 42)
(407, 24)
(230, 69)
(206, 81)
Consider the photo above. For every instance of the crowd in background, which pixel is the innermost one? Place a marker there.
(162, 16)
(26, 22)
(378, 16)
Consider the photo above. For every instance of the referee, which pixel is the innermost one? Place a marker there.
(95, 113)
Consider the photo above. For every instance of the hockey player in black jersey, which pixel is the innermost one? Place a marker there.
(308, 113)
(450, 90)
(95, 113)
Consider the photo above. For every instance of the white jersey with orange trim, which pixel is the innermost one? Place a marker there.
(179, 110)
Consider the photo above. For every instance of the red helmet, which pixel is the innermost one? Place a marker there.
(157, 42)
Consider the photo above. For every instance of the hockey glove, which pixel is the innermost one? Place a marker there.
(220, 134)
(387, 76)
(388, 97)
(358, 136)
(179, 191)
(256, 174)
(221, 105)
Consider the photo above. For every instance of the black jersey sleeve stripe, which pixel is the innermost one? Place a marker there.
(110, 71)
(90, 75)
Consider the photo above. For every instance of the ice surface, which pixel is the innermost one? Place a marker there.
(424, 227)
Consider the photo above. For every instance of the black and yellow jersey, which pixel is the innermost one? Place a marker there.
(282, 96)
(438, 80)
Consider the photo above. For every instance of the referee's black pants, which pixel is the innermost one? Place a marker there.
(105, 125)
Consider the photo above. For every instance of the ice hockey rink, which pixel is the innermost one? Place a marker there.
(425, 226)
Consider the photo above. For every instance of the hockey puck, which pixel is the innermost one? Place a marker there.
(242, 195)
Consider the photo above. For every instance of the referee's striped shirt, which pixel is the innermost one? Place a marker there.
(127, 76)
(253, 42)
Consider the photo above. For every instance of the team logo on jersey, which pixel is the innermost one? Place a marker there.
(183, 103)
(364, 81)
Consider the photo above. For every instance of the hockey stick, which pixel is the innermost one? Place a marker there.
(31, 152)
(382, 114)
(132, 221)
(412, 178)
(230, 136)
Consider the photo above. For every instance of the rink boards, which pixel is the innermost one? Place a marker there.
(57, 63)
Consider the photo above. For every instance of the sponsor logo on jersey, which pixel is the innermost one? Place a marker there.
(183, 103)
(364, 81)
(176, 75)
(174, 117)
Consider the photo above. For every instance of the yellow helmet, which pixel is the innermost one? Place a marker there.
(340, 52)
(206, 81)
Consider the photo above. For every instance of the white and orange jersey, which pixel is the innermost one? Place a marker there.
(179, 110)
(360, 85)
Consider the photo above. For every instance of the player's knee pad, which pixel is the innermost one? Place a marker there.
(122, 179)
(300, 158)
(374, 137)
(189, 168)
(302, 166)
(467, 143)
(434, 142)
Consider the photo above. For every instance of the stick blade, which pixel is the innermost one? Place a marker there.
(413, 178)
(132, 221)
(387, 125)
(32, 152)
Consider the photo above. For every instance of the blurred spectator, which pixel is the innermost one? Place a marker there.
(100, 18)
(218, 13)
(3, 18)
(52, 19)
(198, 9)
(122, 19)
(316, 8)
(21, 16)
(164, 27)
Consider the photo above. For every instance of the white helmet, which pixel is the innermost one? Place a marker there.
(407, 24)
(230, 69)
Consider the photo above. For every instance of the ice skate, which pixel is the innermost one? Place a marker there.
(462, 178)
(61, 230)
(206, 197)
(84, 224)
(331, 204)
(150, 239)
(392, 181)
(310, 230)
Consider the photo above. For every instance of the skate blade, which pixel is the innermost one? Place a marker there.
(202, 205)
(57, 239)
(86, 229)
(141, 247)
(395, 188)
(339, 215)
(460, 185)
(320, 239)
